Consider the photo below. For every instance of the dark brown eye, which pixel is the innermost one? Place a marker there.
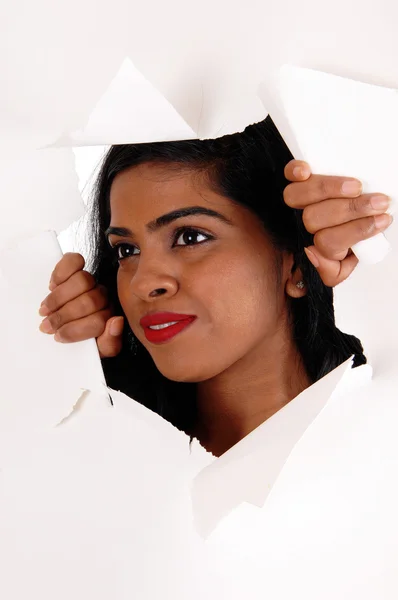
(123, 251)
(190, 237)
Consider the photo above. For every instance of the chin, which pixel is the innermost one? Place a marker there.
(185, 373)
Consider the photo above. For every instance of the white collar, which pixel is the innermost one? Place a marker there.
(248, 471)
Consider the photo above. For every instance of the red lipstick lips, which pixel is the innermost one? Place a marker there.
(163, 326)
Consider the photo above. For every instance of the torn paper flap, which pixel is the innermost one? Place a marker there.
(340, 127)
(363, 306)
(223, 59)
(40, 191)
(41, 379)
(99, 502)
(131, 110)
(248, 471)
(331, 517)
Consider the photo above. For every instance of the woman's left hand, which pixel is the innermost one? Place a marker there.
(339, 216)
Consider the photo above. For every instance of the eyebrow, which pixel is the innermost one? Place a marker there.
(190, 211)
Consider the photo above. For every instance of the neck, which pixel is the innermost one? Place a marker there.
(249, 392)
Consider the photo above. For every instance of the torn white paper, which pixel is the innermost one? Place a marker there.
(76, 237)
(41, 379)
(328, 528)
(56, 64)
(363, 308)
(131, 110)
(232, 479)
(341, 127)
(39, 191)
(97, 506)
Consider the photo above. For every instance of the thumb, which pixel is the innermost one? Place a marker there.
(110, 342)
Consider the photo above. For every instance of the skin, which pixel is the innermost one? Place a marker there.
(241, 345)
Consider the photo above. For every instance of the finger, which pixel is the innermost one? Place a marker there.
(83, 329)
(331, 213)
(332, 272)
(70, 263)
(320, 187)
(334, 242)
(110, 342)
(82, 306)
(79, 283)
(297, 170)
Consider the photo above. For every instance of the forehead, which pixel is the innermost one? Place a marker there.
(149, 190)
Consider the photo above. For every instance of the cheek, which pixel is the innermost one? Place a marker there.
(241, 299)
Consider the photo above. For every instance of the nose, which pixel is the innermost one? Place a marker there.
(153, 279)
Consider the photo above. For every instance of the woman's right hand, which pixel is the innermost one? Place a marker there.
(78, 309)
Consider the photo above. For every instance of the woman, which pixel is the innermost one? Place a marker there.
(226, 320)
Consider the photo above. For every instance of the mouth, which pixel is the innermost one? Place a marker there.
(162, 327)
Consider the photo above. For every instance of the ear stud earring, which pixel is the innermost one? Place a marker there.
(300, 285)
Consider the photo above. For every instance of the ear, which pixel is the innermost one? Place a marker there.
(295, 286)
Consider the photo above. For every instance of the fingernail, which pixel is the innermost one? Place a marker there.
(312, 257)
(116, 327)
(383, 221)
(351, 188)
(380, 202)
(51, 286)
(301, 172)
(44, 311)
(46, 326)
(57, 337)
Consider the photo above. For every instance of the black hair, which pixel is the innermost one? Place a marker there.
(248, 168)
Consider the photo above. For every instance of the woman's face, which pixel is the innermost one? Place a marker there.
(218, 271)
